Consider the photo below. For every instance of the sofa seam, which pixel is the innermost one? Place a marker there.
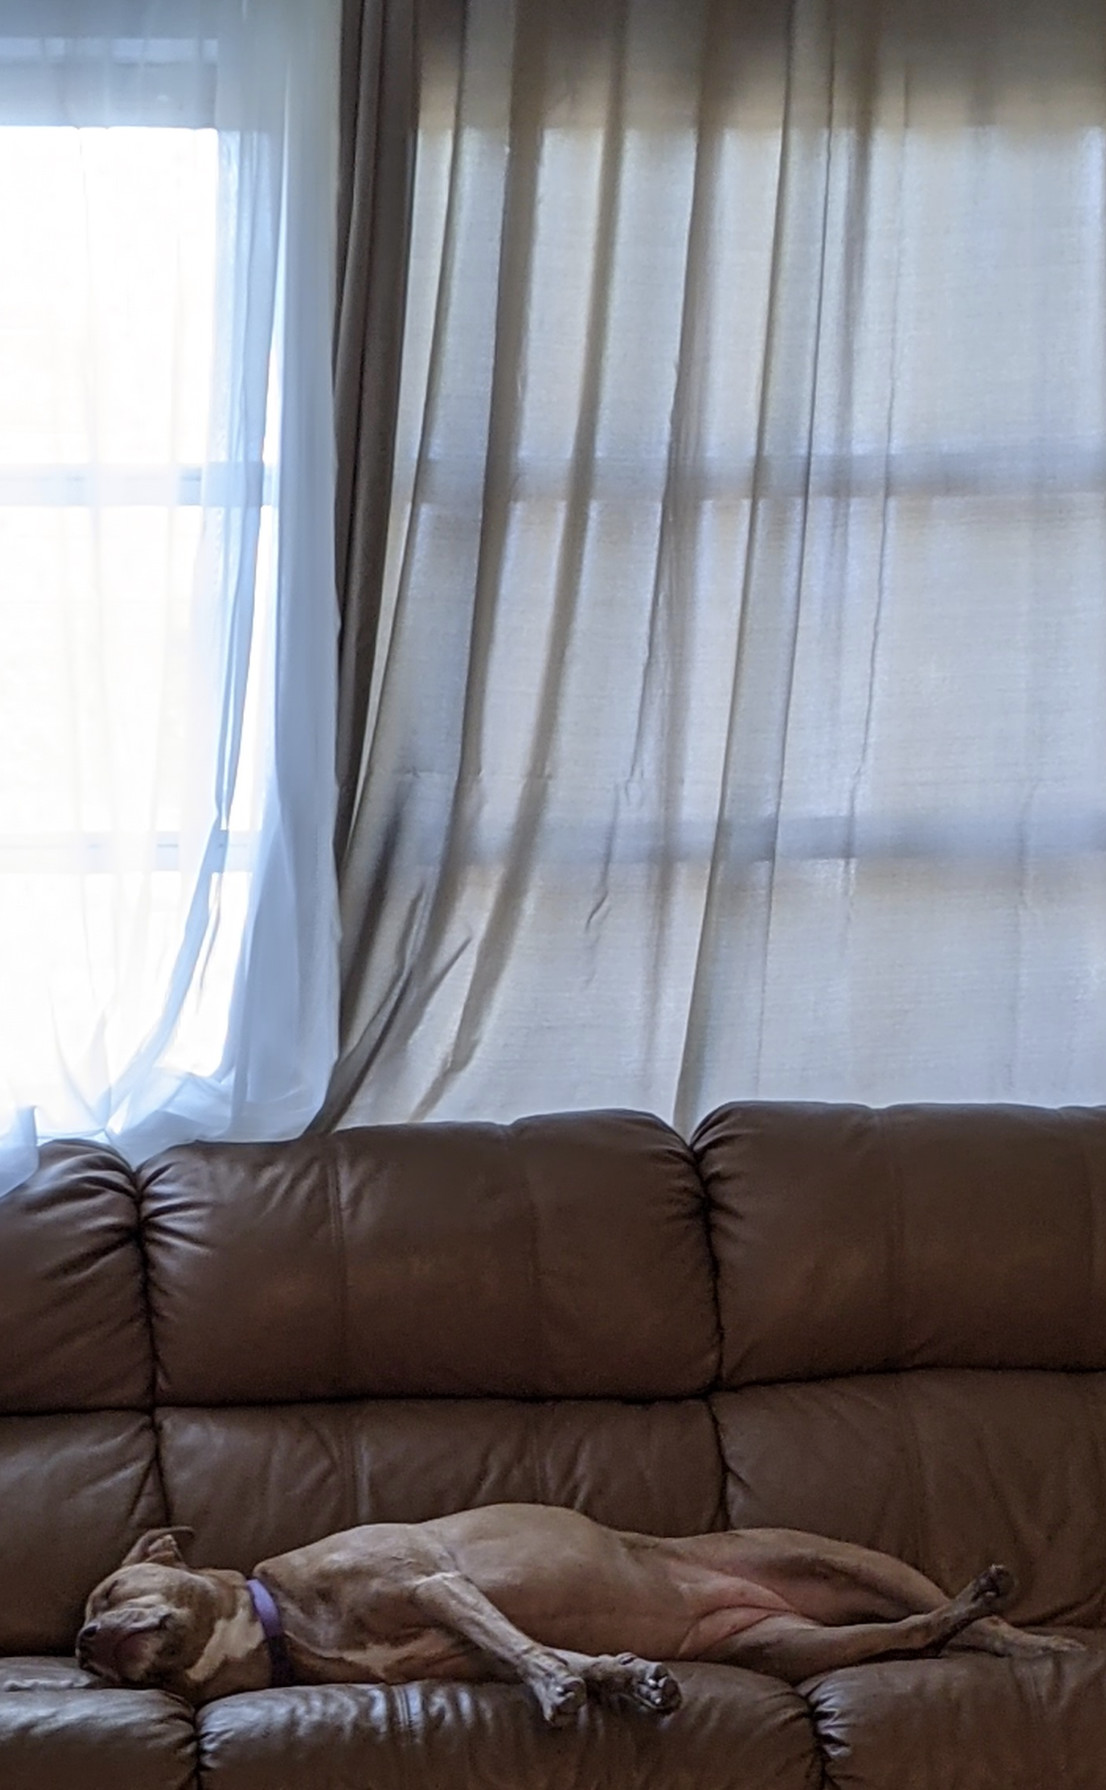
(144, 1287)
(706, 1214)
(827, 1781)
(714, 1384)
(154, 1407)
(1092, 1226)
(722, 1506)
(399, 1706)
(896, 1338)
(518, 1160)
(895, 1225)
(198, 1774)
(338, 1243)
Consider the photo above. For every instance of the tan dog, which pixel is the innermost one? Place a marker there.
(526, 1592)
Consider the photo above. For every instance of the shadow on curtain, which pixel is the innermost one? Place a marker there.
(724, 698)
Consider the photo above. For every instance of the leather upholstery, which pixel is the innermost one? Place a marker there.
(947, 1469)
(255, 1482)
(95, 1739)
(73, 1328)
(885, 1326)
(857, 1241)
(966, 1721)
(461, 1260)
(734, 1729)
(78, 1472)
(75, 1489)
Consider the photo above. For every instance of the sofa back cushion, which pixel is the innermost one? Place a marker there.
(850, 1240)
(949, 1469)
(73, 1331)
(913, 1306)
(78, 1476)
(253, 1481)
(562, 1257)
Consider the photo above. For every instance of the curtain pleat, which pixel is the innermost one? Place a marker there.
(724, 702)
(378, 121)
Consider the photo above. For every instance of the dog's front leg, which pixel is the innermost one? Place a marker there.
(453, 1601)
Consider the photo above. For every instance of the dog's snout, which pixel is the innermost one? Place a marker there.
(86, 1644)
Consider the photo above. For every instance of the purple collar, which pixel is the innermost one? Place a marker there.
(280, 1660)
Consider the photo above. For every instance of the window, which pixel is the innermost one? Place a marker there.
(166, 585)
(749, 518)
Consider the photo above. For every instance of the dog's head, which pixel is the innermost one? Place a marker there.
(156, 1620)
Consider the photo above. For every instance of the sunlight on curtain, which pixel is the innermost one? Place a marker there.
(740, 726)
(167, 927)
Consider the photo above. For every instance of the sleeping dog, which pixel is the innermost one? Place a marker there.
(530, 1593)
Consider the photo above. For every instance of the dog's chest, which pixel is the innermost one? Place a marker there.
(427, 1653)
(232, 1640)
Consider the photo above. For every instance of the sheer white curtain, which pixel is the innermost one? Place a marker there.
(740, 725)
(167, 607)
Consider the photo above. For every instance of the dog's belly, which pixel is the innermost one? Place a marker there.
(708, 1637)
(626, 1601)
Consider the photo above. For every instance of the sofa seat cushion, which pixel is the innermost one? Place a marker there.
(966, 1721)
(58, 1731)
(43, 1672)
(734, 1729)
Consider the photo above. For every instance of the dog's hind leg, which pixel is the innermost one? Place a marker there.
(990, 1634)
(794, 1648)
(904, 1591)
(863, 1585)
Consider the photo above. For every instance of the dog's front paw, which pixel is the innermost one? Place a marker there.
(655, 1688)
(561, 1698)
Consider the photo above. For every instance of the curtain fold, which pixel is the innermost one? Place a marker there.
(168, 929)
(378, 123)
(378, 126)
(737, 723)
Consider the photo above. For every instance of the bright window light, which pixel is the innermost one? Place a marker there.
(107, 306)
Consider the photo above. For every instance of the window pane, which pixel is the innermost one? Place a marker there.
(107, 307)
(107, 316)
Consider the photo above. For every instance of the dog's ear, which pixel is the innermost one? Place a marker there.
(162, 1546)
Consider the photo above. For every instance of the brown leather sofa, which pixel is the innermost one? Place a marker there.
(888, 1326)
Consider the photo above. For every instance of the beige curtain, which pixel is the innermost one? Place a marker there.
(737, 720)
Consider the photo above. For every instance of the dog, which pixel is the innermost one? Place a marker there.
(530, 1593)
